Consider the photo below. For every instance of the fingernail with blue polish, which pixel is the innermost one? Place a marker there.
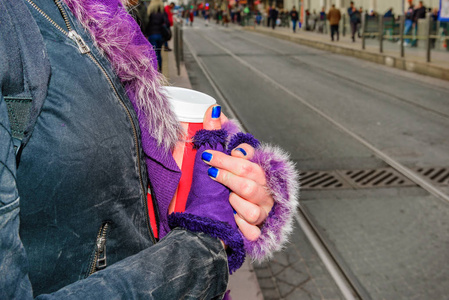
(216, 112)
(206, 156)
(234, 211)
(241, 150)
(212, 172)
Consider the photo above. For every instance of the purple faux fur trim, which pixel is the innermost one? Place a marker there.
(223, 231)
(241, 138)
(209, 137)
(118, 37)
(283, 184)
(232, 126)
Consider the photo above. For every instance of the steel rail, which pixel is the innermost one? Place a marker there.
(224, 102)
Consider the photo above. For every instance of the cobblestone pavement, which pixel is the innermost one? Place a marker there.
(296, 273)
(394, 241)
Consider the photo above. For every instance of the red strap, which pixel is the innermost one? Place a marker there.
(187, 169)
(152, 215)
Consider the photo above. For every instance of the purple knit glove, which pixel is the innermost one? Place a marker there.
(207, 208)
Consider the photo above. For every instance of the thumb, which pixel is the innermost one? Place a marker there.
(212, 120)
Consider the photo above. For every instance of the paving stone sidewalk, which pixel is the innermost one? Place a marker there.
(297, 273)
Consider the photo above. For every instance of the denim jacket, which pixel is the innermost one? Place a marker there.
(80, 191)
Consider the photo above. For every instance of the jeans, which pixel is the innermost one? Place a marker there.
(294, 25)
(156, 41)
(408, 29)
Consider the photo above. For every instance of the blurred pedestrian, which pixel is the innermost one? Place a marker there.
(238, 15)
(168, 11)
(306, 19)
(269, 8)
(274, 13)
(225, 14)
(418, 13)
(186, 15)
(191, 16)
(434, 15)
(258, 17)
(408, 23)
(294, 16)
(389, 13)
(218, 16)
(322, 22)
(282, 17)
(313, 20)
(354, 19)
(246, 15)
(156, 30)
(334, 16)
(206, 17)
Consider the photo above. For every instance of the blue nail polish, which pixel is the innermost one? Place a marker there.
(212, 172)
(234, 211)
(241, 150)
(206, 156)
(216, 112)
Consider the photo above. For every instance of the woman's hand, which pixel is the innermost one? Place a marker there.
(249, 197)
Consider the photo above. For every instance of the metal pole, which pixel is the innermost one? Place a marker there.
(401, 34)
(363, 25)
(381, 33)
(344, 24)
(428, 37)
(181, 41)
(177, 50)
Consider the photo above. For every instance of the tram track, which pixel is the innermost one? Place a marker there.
(404, 170)
(340, 76)
(345, 280)
(349, 287)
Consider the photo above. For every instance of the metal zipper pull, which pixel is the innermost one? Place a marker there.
(82, 46)
(101, 249)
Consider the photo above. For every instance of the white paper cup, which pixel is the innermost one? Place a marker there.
(190, 107)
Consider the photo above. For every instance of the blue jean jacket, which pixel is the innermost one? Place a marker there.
(79, 194)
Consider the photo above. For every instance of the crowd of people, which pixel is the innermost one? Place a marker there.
(272, 16)
(313, 21)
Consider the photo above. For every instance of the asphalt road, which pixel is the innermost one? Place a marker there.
(335, 113)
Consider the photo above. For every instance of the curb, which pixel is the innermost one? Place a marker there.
(379, 58)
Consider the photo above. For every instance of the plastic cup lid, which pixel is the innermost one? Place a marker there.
(189, 105)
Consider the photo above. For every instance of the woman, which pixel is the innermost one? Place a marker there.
(294, 17)
(157, 23)
(102, 140)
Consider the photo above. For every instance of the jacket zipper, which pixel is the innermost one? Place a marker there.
(84, 49)
(99, 260)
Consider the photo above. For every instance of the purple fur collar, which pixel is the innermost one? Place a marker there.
(119, 38)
